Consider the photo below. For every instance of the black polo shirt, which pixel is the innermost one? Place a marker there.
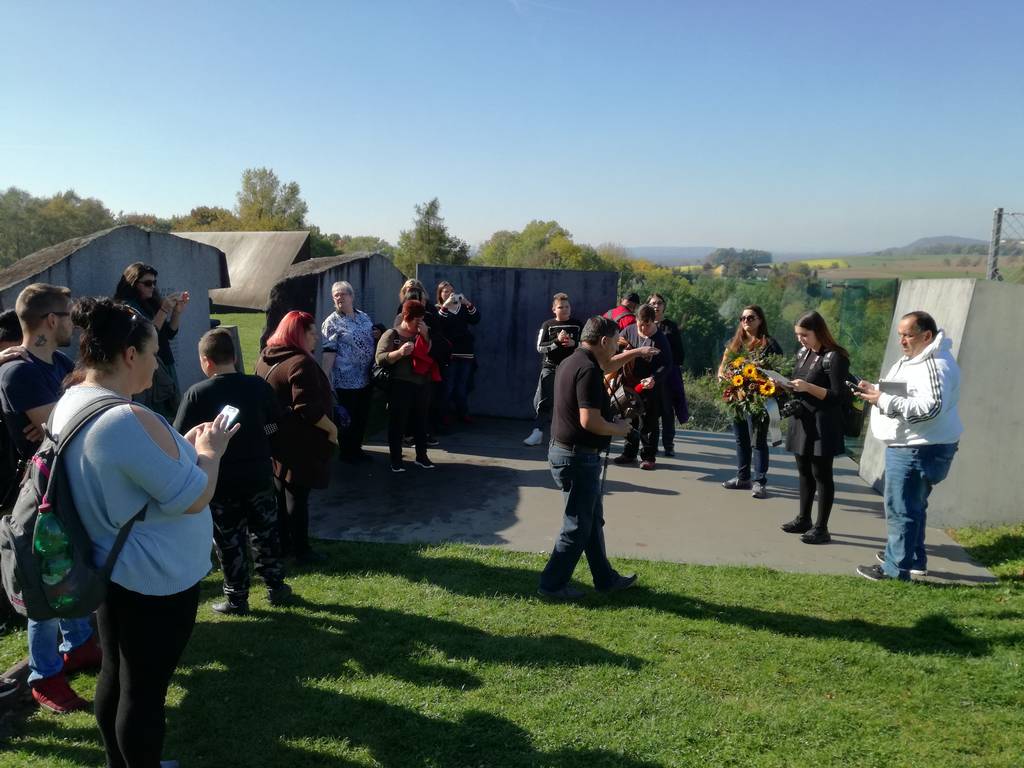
(579, 383)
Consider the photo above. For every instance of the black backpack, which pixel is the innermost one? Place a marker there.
(45, 485)
(850, 407)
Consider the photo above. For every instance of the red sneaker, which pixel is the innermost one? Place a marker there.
(86, 656)
(54, 694)
(648, 465)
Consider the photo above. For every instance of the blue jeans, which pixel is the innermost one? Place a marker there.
(744, 450)
(456, 385)
(578, 477)
(910, 473)
(44, 658)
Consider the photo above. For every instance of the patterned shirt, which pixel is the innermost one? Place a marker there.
(350, 337)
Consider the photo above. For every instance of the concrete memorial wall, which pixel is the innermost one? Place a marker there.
(982, 320)
(513, 303)
(92, 266)
(307, 287)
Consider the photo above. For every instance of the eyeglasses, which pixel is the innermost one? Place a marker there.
(748, 318)
(147, 283)
(656, 303)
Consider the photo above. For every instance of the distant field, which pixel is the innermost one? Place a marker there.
(821, 264)
(250, 328)
(934, 266)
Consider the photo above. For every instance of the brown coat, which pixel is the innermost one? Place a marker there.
(305, 395)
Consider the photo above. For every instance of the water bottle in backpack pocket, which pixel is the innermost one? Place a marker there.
(46, 559)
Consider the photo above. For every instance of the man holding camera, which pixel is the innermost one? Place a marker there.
(918, 421)
(581, 430)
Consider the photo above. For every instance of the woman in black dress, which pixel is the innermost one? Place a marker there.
(816, 428)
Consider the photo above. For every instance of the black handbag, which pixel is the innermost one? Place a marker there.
(380, 375)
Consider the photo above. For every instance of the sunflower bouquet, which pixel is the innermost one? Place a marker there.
(745, 389)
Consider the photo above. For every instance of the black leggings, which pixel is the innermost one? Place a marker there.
(292, 517)
(142, 637)
(816, 479)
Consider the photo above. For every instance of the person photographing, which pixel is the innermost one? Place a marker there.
(581, 430)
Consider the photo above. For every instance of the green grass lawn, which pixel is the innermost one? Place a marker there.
(441, 656)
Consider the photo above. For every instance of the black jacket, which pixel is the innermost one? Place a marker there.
(675, 340)
(817, 428)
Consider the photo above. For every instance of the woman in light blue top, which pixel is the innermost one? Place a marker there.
(125, 459)
(348, 350)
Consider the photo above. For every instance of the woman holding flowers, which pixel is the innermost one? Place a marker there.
(816, 426)
(749, 346)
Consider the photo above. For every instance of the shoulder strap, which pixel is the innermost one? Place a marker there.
(83, 417)
(72, 428)
(826, 361)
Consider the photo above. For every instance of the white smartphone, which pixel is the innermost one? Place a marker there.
(231, 413)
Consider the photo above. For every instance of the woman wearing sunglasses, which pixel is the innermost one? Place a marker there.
(751, 337)
(137, 288)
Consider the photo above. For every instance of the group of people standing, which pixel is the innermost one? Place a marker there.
(914, 413)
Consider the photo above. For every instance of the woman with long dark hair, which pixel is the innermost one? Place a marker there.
(303, 450)
(457, 314)
(816, 428)
(751, 338)
(137, 288)
(125, 461)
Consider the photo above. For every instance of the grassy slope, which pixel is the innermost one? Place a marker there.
(441, 656)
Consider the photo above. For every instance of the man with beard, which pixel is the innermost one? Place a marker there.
(28, 391)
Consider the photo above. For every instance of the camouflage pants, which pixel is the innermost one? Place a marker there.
(241, 525)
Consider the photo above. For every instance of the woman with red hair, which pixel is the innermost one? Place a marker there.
(307, 432)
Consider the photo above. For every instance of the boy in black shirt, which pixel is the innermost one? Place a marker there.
(556, 340)
(244, 505)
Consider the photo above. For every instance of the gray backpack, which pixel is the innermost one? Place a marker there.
(45, 486)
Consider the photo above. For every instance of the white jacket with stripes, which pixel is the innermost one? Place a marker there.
(928, 414)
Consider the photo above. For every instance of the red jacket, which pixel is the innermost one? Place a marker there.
(622, 315)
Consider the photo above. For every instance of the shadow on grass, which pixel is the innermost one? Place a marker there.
(279, 690)
(934, 634)
(1002, 550)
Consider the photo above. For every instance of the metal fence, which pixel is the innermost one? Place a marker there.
(1007, 244)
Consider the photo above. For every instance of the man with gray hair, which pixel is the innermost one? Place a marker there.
(916, 416)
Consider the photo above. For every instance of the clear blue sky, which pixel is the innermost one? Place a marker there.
(784, 125)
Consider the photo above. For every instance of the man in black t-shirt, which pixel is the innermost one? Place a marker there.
(557, 339)
(581, 429)
(244, 504)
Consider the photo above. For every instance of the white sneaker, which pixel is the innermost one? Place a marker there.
(535, 437)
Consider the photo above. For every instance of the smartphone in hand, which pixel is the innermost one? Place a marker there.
(231, 413)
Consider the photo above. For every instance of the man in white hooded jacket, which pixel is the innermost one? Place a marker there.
(921, 430)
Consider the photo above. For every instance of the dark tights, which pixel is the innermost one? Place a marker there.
(292, 517)
(816, 479)
(142, 637)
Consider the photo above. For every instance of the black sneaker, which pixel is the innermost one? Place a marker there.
(797, 525)
(816, 536)
(279, 595)
(737, 485)
(432, 441)
(623, 460)
(409, 441)
(873, 572)
(760, 492)
(397, 466)
(880, 557)
(425, 463)
(8, 686)
(620, 583)
(669, 452)
(231, 607)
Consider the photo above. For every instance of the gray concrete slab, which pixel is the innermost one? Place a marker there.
(490, 489)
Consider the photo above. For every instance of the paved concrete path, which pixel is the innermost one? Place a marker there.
(490, 489)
